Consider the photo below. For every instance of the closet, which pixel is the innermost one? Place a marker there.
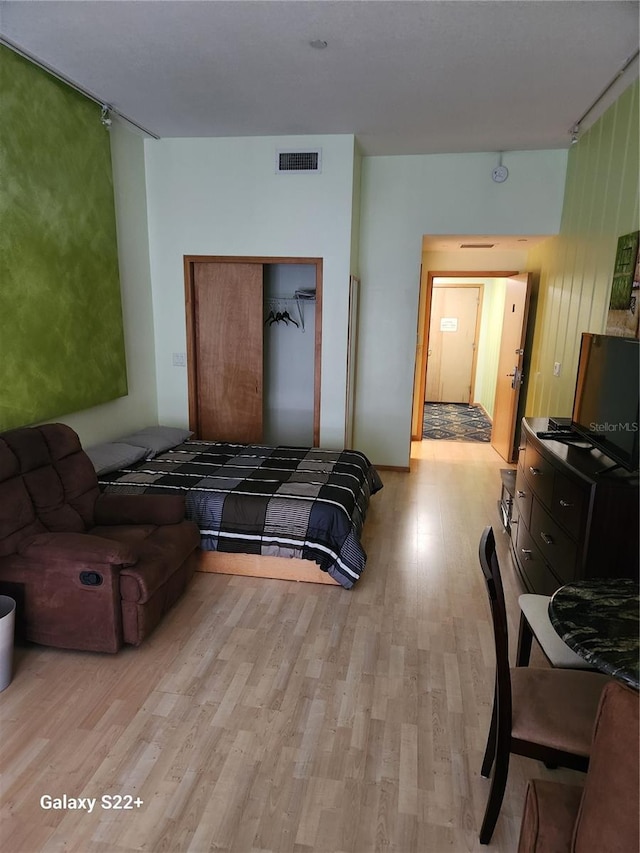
(253, 348)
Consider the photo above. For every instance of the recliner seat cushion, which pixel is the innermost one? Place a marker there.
(549, 816)
(159, 550)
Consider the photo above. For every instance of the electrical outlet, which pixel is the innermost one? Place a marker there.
(179, 359)
(556, 368)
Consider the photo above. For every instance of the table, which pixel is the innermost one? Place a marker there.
(600, 620)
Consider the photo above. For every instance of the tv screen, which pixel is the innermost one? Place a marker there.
(605, 406)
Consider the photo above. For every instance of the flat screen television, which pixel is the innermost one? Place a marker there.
(605, 405)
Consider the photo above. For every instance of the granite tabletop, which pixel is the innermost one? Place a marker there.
(600, 621)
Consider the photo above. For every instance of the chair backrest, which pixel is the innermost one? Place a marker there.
(493, 582)
(608, 815)
(47, 483)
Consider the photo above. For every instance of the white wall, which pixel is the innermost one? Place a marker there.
(223, 197)
(139, 408)
(495, 290)
(404, 198)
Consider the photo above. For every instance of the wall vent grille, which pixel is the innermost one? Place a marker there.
(299, 161)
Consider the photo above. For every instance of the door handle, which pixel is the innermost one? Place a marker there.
(516, 377)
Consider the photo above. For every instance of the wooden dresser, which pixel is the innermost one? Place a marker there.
(569, 520)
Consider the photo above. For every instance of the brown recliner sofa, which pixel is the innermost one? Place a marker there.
(90, 571)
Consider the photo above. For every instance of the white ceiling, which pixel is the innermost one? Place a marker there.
(424, 76)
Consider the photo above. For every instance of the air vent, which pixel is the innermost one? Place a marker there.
(477, 245)
(299, 161)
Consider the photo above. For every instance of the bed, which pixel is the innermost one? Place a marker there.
(286, 512)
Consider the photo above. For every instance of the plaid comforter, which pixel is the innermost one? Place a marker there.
(253, 499)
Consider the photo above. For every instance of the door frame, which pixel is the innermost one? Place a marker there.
(422, 342)
(189, 262)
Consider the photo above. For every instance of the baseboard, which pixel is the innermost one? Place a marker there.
(403, 469)
(484, 411)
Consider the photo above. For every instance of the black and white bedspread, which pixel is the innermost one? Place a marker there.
(282, 501)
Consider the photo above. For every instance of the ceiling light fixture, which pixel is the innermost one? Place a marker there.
(319, 44)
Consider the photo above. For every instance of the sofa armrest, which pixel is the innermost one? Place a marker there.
(67, 603)
(139, 509)
(77, 548)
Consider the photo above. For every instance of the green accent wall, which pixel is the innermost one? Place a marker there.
(61, 333)
(576, 267)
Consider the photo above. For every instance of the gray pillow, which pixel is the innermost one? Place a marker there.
(157, 439)
(113, 455)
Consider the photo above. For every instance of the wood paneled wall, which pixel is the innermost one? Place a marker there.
(576, 267)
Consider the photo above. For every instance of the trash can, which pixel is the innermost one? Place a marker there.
(7, 625)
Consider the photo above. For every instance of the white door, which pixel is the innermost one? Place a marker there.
(509, 381)
(453, 334)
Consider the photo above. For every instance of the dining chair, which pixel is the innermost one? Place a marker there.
(542, 713)
(535, 623)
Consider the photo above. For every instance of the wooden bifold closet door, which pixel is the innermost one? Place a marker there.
(226, 362)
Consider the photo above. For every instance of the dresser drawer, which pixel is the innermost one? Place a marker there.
(539, 473)
(523, 497)
(538, 577)
(569, 503)
(555, 544)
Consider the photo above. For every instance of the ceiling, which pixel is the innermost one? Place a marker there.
(418, 77)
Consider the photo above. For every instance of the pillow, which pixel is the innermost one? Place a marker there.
(156, 439)
(113, 455)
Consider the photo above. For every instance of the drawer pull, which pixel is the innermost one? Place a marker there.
(548, 540)
(566, 503)
(521, 494)
(526, 553)
(535, 471)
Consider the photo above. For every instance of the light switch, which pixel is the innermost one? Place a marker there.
(556, 368)
(179, 359)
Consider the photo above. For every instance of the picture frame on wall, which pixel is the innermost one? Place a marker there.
(624, 308)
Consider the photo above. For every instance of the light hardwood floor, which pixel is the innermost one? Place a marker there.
(276, 716)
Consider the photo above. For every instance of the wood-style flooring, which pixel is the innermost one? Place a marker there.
(269, 716)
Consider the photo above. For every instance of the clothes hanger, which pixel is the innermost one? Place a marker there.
(289, 319)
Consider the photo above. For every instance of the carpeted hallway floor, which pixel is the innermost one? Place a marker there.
(455, 422)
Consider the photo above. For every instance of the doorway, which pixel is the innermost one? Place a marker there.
(510, 342)
(427, 279)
